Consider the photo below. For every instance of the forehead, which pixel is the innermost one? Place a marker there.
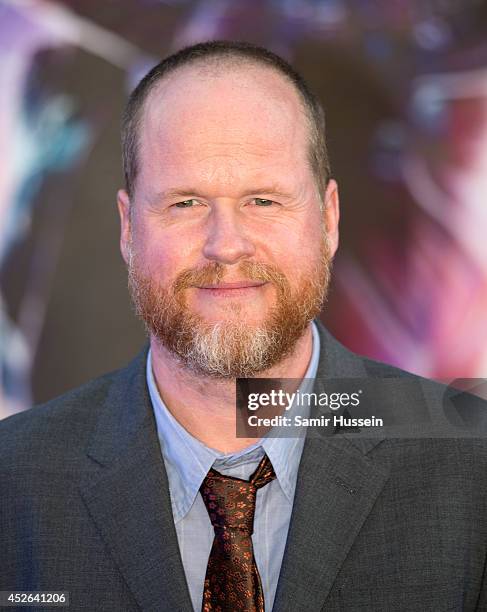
(245, 115)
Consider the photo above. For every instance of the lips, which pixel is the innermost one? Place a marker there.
(236, 285)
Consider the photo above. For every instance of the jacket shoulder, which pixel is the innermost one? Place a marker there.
(460, 408)
(63, 422)
(379, 369)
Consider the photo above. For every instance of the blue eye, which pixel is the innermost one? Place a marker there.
(263, 202)
(184, 204)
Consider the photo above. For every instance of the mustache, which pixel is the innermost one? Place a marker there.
(215, 272)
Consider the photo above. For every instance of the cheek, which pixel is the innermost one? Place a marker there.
(165, 254)
(297, 251)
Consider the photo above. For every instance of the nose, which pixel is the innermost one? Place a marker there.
(227, 240)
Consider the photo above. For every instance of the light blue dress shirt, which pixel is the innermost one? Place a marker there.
(187, 462)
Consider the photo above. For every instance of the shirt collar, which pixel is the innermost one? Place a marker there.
(188, 460)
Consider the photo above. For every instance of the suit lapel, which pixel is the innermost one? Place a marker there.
(127, 495)
(336, 489)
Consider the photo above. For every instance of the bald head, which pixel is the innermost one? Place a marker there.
(227, 66)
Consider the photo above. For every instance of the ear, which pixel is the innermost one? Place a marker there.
(123, 203)
(331, 214)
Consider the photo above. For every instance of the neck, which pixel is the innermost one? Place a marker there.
(205, 407)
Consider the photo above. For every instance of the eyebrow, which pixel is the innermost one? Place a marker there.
(185, 193)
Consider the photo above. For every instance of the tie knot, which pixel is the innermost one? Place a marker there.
(231, 501)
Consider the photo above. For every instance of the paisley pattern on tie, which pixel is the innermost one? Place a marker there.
(232, 582)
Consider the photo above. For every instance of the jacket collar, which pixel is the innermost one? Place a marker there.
(126, 492)
(337, 487)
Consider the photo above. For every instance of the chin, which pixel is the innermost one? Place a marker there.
(232, 313)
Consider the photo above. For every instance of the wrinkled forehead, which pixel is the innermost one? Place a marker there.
(226, 104)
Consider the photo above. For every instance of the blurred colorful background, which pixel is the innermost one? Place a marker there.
(404, 86)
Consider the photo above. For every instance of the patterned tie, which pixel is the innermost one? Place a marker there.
(232, 581)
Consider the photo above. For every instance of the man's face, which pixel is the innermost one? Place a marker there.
(225, 194)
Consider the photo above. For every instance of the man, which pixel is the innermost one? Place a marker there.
(134, 492)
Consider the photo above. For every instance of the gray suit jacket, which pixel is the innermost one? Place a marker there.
(377, 525)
